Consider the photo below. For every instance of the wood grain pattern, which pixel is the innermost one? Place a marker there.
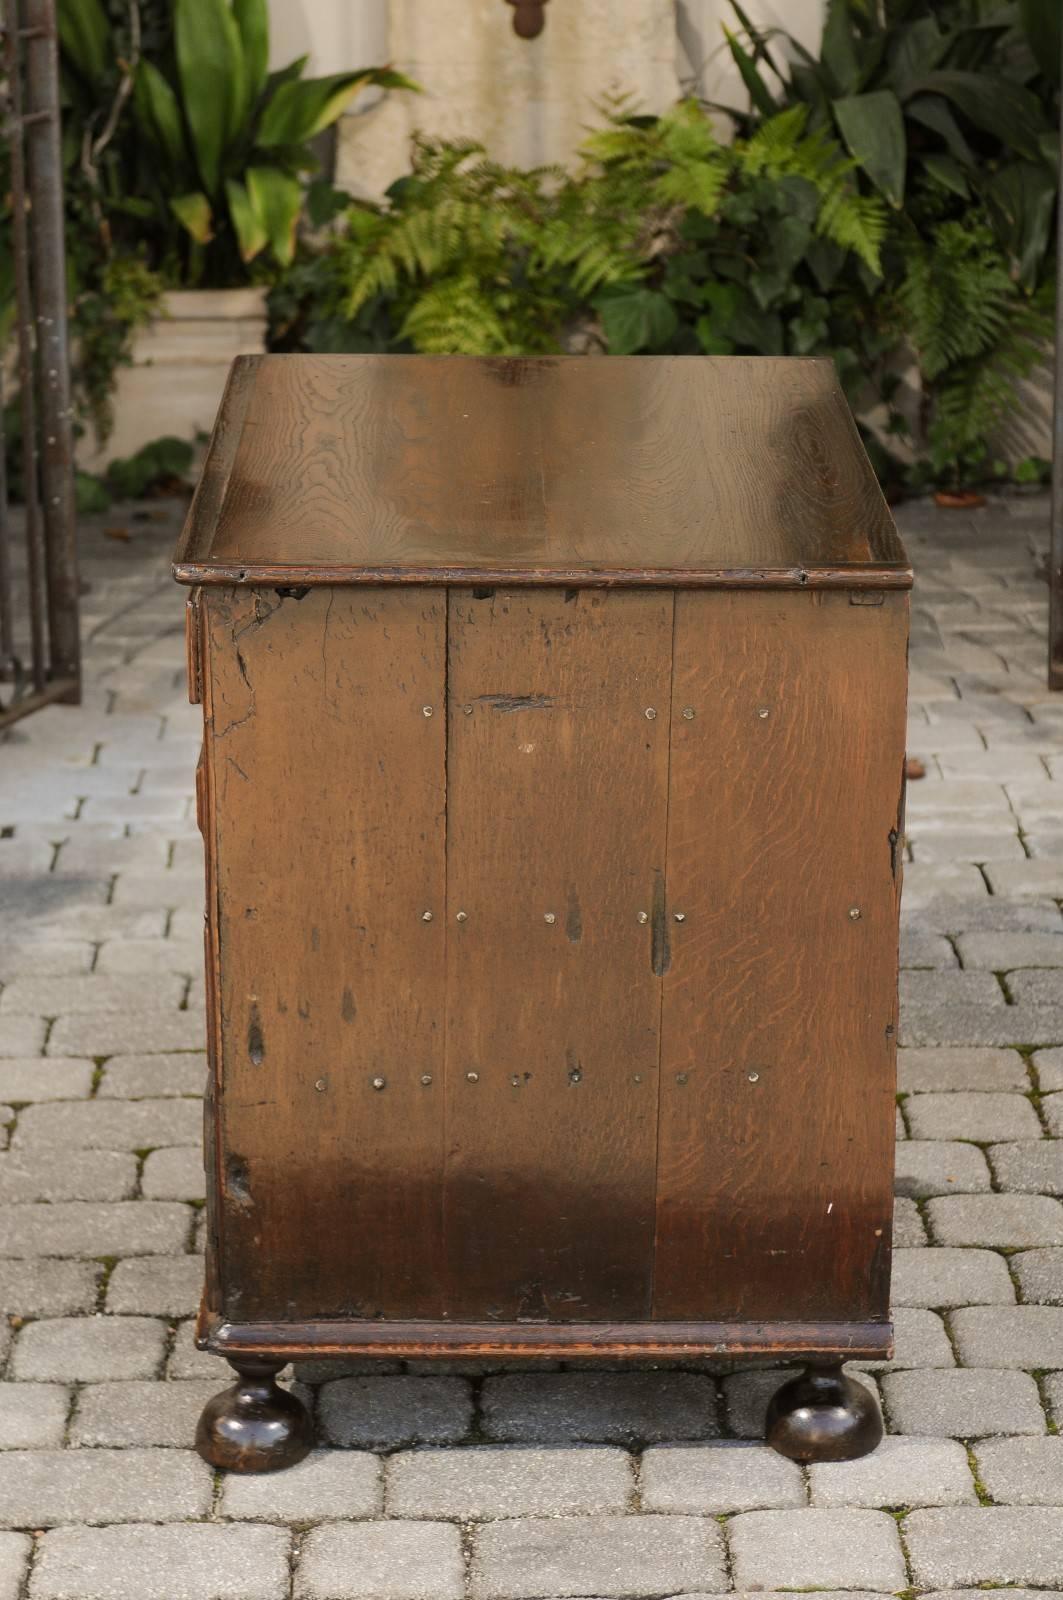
(327, 793)
(552, 1006)
(780, 1008)
(554, 469)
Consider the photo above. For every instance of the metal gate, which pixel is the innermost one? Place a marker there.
(40, 657)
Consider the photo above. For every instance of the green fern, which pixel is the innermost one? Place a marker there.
(976, 336)
(782, 148)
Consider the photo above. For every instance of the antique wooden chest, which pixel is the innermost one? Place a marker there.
(552, 792)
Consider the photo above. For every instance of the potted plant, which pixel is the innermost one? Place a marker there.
(193, 156)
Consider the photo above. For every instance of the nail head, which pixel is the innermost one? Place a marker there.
(473, 1077)
(378, 1083)
(680, 916)
(650, 713)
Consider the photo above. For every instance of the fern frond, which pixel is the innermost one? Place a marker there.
(781, 148)
(957, 296)
(456, 317)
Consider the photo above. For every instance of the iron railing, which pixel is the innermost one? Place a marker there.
(40, 654)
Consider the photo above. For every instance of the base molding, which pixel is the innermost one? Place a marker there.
(296, 1341)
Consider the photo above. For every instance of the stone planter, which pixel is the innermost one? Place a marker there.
(180, 362)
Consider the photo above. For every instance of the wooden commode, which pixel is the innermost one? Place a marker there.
(552, 790)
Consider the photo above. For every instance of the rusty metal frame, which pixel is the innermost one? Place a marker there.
(50, 603)
(1055, 553)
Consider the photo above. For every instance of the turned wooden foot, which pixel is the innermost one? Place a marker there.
(255, 1426)
(823, 1416)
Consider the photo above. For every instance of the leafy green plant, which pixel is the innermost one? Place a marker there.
(942, 96)
(214, 157)
(472, 256)
(950, 110)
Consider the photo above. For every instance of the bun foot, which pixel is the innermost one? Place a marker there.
(255, 1426)
(823, 1416)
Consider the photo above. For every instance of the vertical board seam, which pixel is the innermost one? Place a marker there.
(444, 1187)
(663, 977)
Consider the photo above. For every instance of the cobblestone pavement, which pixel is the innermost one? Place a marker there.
(549, 1484)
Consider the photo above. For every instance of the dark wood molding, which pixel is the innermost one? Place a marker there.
(851, 1341)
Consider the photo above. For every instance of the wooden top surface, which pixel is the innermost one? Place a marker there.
(679, 470)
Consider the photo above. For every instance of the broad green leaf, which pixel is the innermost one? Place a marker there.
(85, 37)
(872, 126)
(277, 199)
(758, 90)
(1042, 23)
(918, 48)
(194, 213)
(210, 63)
(252, 19)
(636, 320)
(947, 172)
(159, 115)
(248, 226)
(1022, 200)
(299, 109)
(837, 48)
(993, 103)
(933, 112)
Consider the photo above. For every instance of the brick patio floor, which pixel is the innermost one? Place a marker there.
(555, 1483)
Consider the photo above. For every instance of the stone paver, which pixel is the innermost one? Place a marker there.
(720, 1477)
(386, 1412)
(901, 1472)
(947, 1278)
(47, 1288)
(1001, 1220)
(328, 1485)
(816, 1549)
(985, 1544)
(1032, 1166)
(381, 1561)
(626, 1408)
(157, 1286)
(931, 1166)
(88, 1349)
(1025, 1472)
(532, 1558)
(962, 1402)
(43, 1488)
(939, 1071)
(32, 1415)
(79, 1228)
(582, 1482)
(984, 1116)
(142, 1413)
(1009, 1336)
(1039, 1274)
(174, 1562)
(491, 1482)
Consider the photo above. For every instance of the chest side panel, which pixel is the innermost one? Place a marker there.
(557, 783)
(780, 1005)
(327, 782)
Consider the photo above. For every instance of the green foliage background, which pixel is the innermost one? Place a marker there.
(888, 199)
